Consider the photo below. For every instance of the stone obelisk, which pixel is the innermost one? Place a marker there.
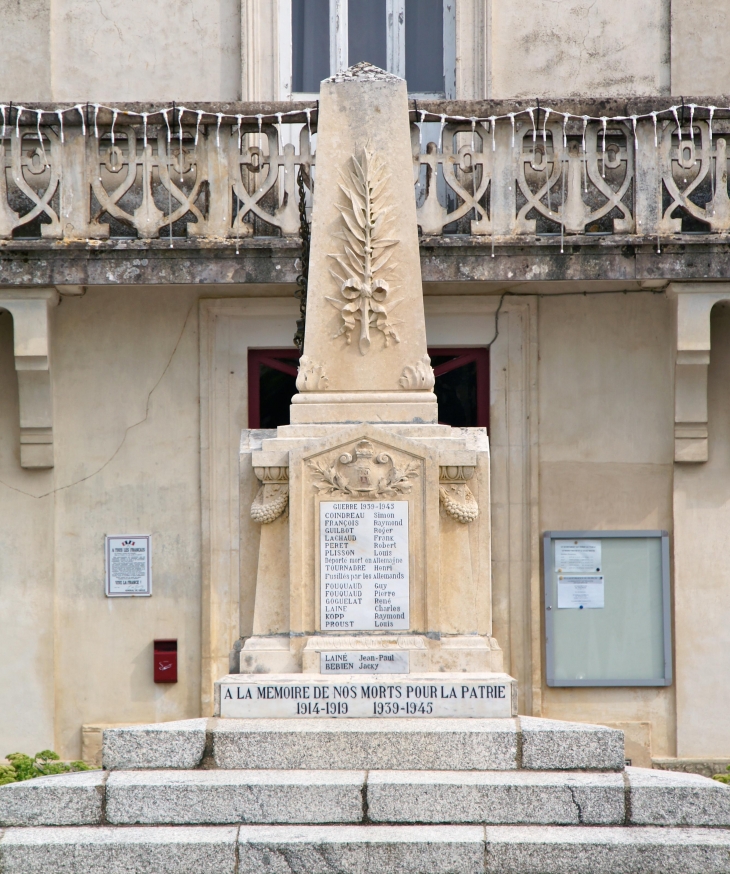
(366, 552)
(365, 353)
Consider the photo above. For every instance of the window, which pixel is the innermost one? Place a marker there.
(414, 39)
(462, 386)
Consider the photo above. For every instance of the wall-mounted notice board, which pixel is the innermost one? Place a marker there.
(607, 610)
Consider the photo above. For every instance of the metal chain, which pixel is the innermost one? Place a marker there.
(301, 291)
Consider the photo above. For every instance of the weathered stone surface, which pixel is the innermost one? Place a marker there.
(548, 744)
(361, 849)
(496, 797)
(602, 850)
(217, 797)
(163, 745)
(101, 850)
(377, 744)
(666, 798)
(61, 799)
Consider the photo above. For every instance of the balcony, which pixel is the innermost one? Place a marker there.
(505, 191)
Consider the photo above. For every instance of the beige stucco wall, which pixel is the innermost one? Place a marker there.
(125, 373)
(606, 453)
(702, 575)
(25, 72)
(579, 47)
(210, 50)
(27, 697)
(700, 47)
(120, 50)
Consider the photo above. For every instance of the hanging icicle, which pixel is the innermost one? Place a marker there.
(512, 119)
(80, 108)
(493, 126)
(604, 120)
(585, 154)
(261, 145)
(96, 118)
(59, 113)
(565, 131)
(544, 128)
(532, 119)
(199, 114)
(679, 126)
(656, 139)
(144, 128)
(115, 113)
(240, 130)
(2, 109)
(38, 117)
(441, 132)
(218, 130)
(19, 110)
(420, 132)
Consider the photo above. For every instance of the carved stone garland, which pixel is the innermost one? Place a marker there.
(363, 474)
(273, 496)
(367, 252)
(455, 495)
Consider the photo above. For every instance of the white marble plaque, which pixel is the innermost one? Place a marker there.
(364, 580)
(440, 695)
(371, 662)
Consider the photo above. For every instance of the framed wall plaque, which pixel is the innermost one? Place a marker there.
(607, 608)
(128, 566)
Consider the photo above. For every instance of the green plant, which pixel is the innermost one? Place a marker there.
(723, 778)
(46, 762)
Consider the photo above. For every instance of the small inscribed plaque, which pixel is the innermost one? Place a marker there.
(579, 592)
(364, 580)
(128, 565)
(578, 556)
(370, 662)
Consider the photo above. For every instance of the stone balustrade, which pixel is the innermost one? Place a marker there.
(214, 175)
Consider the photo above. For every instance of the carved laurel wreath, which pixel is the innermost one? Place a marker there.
(363, 265)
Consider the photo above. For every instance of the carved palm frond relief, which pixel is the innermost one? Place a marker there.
(365, 263)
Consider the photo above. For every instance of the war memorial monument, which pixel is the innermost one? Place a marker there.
(370, 727)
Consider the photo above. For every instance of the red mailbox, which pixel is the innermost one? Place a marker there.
(165, 655)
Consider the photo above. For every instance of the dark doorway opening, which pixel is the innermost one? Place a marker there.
(462, 385)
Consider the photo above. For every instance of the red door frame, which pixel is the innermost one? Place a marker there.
(461, 356)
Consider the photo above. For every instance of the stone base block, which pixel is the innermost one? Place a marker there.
(291, 696)
(362, 849)
(108, 850)
(352, 413)
(210, 797)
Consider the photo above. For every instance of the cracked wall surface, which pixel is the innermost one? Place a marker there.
(148, 50)
(579, 48)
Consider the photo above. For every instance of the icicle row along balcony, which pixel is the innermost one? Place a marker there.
(532, 174)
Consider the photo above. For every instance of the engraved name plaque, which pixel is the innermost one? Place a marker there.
(364, 579)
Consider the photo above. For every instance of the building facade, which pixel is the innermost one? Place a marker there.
(570, 173)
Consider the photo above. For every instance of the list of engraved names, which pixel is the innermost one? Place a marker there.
(364, 583)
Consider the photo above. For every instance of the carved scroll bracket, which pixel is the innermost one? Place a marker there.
(273, 496)
(455, 495)
(30, 312)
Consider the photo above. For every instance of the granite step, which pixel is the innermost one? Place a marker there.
(220, 797)
(357, 849)
(372, 744)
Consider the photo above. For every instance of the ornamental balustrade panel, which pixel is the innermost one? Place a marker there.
(530, 174)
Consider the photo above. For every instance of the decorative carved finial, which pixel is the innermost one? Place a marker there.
(311, 376)
(365, 262)
(420, 376)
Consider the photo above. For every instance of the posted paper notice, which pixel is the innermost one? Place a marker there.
(578, 556)
(580, 592)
